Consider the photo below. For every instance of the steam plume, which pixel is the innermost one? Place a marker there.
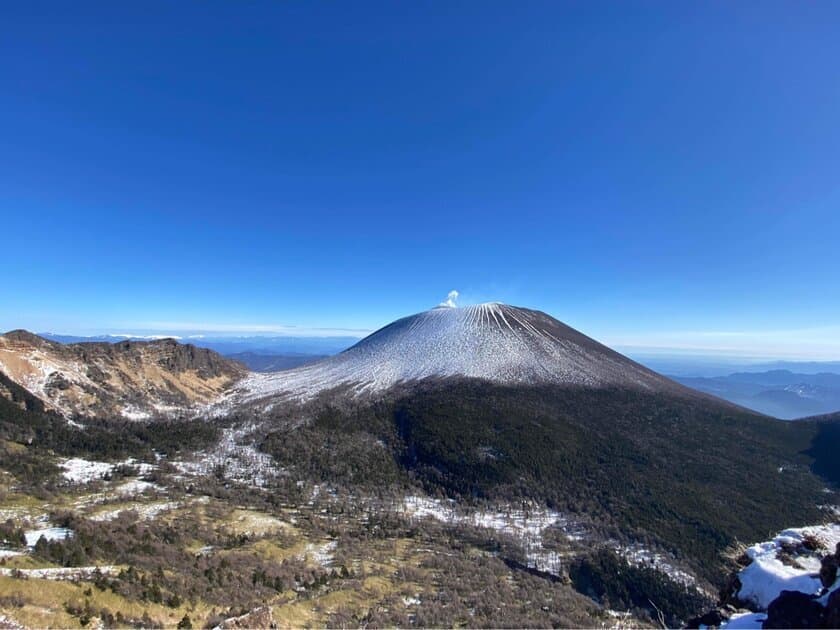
(451, 298)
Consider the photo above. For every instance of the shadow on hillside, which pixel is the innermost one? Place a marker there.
(825, 449)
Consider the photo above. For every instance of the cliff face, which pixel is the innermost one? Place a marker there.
(132, 379)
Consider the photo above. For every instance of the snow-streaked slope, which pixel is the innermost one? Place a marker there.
(496, 342)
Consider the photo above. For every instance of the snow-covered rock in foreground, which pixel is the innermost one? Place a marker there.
(789, 581)
(495, 342)
(775, 569)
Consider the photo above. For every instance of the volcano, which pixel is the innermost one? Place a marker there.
(494, 342)
(502, 404)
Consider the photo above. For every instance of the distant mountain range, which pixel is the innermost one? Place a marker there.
(227, 345)
(779, 393)
(274, 362)
(689, 365)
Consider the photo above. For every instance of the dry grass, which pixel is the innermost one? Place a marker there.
(46, 600)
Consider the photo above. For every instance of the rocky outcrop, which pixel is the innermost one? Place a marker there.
(793, 609)
(831, 616)
(828, 568)
(806, 557)
(131, 379)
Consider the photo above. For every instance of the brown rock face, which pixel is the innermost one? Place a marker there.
(132, 379)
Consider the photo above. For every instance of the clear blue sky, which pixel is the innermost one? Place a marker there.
(655, 174)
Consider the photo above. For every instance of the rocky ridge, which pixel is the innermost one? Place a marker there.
(131, 379)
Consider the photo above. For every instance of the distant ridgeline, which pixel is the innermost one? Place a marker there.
(778, 393)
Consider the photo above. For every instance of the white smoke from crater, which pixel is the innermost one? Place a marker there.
(451, 298)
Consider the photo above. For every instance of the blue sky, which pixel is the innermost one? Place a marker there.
(659, 175)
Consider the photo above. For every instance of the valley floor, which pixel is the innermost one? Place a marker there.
(129, 544)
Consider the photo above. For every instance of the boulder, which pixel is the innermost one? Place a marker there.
(714, 618)
(828, 571)
(831, 616)
(793, 609)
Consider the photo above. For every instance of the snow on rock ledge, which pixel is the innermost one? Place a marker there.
(785, 564)
(789, 581)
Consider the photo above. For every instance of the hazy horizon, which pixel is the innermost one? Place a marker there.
(735, 348)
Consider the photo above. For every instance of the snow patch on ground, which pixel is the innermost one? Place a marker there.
(134, 487)
(11, 624)
(255, 523)
(130, 412)
(322, 554)
(768, 574)
(236, 458)
(528, 526)
(745, 621)
(62, 573)
(79, 470)
(145, 511)
(25, 512)
(524, 525)
(620, 619)
(639, 556)
(50, 533)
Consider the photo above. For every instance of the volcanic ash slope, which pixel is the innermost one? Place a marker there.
(496, 342)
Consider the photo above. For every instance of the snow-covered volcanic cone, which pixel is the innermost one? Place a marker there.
(500, 343)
